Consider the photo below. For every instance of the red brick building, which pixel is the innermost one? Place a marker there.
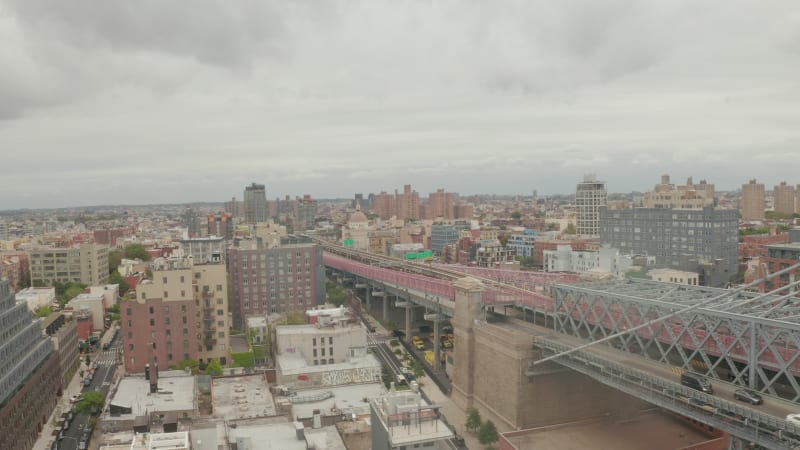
(756, 245)
(109, 236)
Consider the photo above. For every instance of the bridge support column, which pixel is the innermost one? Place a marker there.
(368, 296)
(437, 319)
(386, 308)
(468, 305)
(408, 322)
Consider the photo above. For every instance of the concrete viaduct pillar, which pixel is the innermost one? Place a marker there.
(468, 308)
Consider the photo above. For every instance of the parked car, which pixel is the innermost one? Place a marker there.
(794, 419)
(399, 334)
(748, 396)
(75, 398)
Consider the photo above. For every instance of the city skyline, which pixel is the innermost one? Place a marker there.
(154, 105)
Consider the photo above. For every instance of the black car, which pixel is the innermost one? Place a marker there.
(746, 395)
(399, 334)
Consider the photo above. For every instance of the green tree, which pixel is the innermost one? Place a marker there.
(473, 419)
(136, 251)
(114, 260)
(190, 363)
(487, 434)
(116, 278)
(295, 318)
(337, 296)
(525, 261)
(90, 401)
(214, 368)
(44, 311)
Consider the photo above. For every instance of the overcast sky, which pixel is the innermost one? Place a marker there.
(152, 101)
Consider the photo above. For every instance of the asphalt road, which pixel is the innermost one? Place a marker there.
(106, 367)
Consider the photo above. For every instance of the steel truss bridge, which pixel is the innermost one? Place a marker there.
(739, 338)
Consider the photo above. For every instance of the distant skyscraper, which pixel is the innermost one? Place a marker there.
(441, 204)
(754, 201)
(255, 203)
(589, 197)
(784, 198)
(192, 222)
(407, 203)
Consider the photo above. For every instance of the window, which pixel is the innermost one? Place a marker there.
(166, 294)
(183, 308)
(152, 322)
(330, 341)
(184, 319)
(220, 312)
(166, 320)
(151, 310)
(130, 347)
(219, 288)
(330, 361)
(164, 279)
(323, 352)
(130, 323)
(221, 334)
(315, 353)
(183, 293)
(221, 323)
(129, 311)
(169, 355)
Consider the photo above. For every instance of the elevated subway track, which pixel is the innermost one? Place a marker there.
(748, 338)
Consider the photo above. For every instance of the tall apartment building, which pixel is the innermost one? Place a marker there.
(784, 198)
(688, 196)
(181, 314)
(274, 280)
(255, 203)
(383, 205)
(235, 208)
(220, 224)
(441, 204)
(407, 203)
(86, 263)
(590, 196)
(29, 374)
(3, 231)
(754, 200)
(675, 236)
(306, 213)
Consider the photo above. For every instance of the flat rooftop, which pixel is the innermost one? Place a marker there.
(294, 364)
(409, 420)
(175, 393)
(654, 431)
(345, 399)
(267, 437)
(241, 397)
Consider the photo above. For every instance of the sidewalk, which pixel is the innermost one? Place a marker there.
(74, 387)
(452, 413)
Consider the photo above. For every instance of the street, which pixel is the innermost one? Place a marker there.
(105, 366)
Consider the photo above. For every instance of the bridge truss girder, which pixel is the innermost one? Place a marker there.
(748, 350)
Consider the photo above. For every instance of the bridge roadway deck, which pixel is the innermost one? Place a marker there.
(773, 406)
